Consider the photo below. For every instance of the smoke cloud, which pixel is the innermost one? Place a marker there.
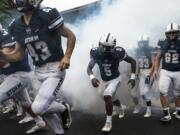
(127, 19)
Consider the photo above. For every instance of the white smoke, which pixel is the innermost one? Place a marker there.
(127, 19)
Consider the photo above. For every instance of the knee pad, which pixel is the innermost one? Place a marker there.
(37, 108)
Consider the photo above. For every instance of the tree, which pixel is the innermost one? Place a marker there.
(6, 7)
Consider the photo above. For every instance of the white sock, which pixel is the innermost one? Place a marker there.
(149, 108)
(109, 119)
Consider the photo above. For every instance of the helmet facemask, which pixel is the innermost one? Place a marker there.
(107, 44)
(106, 49)
(26, 5)
(172, 35)
(172, 32)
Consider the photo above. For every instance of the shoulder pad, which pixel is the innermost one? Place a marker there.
(52, 17)
(161, 42)
(120, 52)
(15, 25)
(94, 52)
(46, 9)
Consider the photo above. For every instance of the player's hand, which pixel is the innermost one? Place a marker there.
(147, 79)
(155, 75)
(95, 82)
(132, 82)
(64, 63)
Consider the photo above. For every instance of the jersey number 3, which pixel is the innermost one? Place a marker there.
(39, 51)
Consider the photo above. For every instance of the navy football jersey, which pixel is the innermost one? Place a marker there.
(144, 57)
(108, 65)
(12, 67)
(170, 52)
(42, 36)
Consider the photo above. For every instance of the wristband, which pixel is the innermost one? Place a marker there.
(92, 76)
(133, 76)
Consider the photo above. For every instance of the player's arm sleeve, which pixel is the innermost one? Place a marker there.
(56, 20)
(8, 42)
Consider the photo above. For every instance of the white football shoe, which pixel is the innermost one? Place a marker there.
(122, 111)
(147, 114)
(26, 119)
(107, 127)
(37, 127)
(136, 110)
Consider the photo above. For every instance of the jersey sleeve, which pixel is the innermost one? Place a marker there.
(56, 21)
(11, 29)
(7, 41)
(93, 53)
(14, 29)
(121, 53)
(160, 44)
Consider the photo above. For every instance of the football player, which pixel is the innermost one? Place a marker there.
(17, 77)
(145, 60)
(107, 56)
(169, 53)
(39, 30)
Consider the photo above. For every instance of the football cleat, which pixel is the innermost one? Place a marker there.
(148, 113)
(26, 119)
(165, 119)
(107, 127)
(136, 110)
(37, 127)
(7, 109)
(177, 116)
(175, 112)
(122, 111)
(66, 116)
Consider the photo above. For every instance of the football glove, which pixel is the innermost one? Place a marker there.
(147, 79)
(95, 82)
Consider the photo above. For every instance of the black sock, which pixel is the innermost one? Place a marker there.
(148, 103)
(166, 112)
(178, 112)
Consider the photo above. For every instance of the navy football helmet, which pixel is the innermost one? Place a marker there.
(26, 5)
